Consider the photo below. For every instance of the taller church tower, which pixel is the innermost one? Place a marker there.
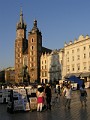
(20, 46)
(34, 52)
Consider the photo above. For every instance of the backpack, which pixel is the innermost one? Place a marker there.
(84, 93)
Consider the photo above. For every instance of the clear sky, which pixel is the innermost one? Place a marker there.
(60, 21)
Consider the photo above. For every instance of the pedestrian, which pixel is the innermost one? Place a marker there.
(40, 98)
(59, 91)
(83, 95)
(48, 96)
(67, 95)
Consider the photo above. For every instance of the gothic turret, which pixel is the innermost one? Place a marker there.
(35, 28)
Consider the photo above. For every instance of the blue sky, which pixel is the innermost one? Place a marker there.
(60, 21)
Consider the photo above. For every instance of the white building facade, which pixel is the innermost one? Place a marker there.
(51, 67)
(77, 58)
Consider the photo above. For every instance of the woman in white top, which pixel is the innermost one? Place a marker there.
(67, 93)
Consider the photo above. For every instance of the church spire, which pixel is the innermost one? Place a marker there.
(21, 24)
(21, 17)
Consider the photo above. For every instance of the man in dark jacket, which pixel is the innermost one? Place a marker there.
(48, 96)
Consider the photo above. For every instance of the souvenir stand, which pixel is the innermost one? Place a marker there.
(18, 100)
(31, 94)
(4, 95)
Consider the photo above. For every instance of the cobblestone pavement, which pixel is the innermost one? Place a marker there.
(58, 112)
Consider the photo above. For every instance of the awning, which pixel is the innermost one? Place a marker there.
(71, 74)
(87, 74)
(76, 80)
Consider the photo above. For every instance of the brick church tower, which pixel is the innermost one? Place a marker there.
(20, 46)
(27, 52)
(34, 52)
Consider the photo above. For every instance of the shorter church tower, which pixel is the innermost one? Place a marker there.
(34, 52)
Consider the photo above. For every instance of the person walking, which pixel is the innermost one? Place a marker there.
(48, 96)
(67, 94)
(83, 95)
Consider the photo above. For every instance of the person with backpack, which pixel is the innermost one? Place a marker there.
(83, 95)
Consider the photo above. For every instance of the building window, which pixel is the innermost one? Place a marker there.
(32, 40)
(72, 58)
(68, 68)
(72, 67)
(72, 51)
(32, 64)
(78, 50)
(78, 57)
(32, 58)
(18, 55)
(32, 52)
(42, 74)
(68, 59)
(45, 74)
(78, 67)
(18, 60)
(84, 48)
(84, 55)
(84, 66)
(42, 67)
(32, 47)
(68, 52)
(32, 75)
(18, 45)
(45, 61)
(18, 50)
